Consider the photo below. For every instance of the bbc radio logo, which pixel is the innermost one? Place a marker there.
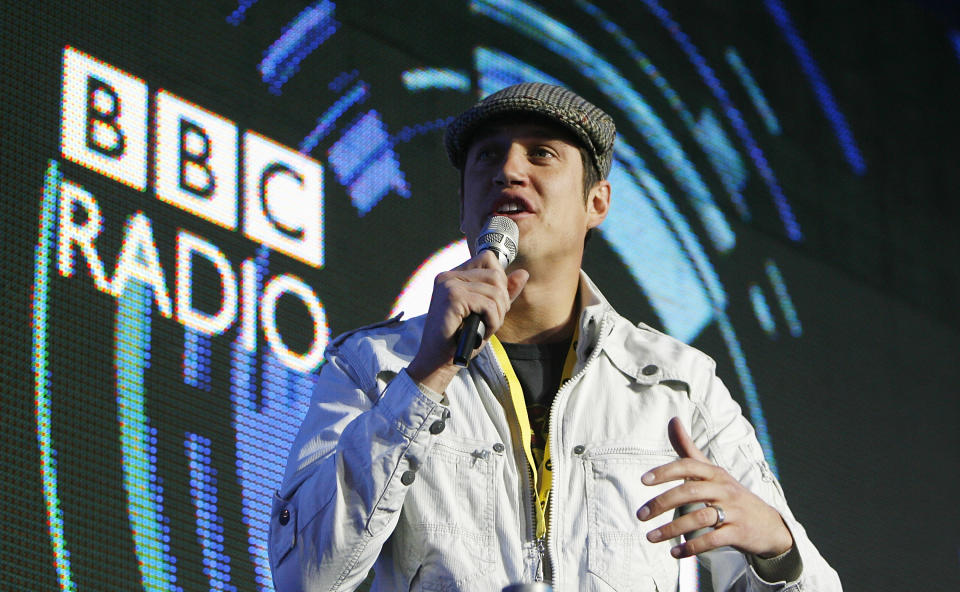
(197, 158)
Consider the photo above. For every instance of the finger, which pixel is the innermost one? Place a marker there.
(688, 493)
(488, 302)
(685, 468)
(720, 537)
(489, 275)
(516, 280)
(485, 259)
(704, 517)
(682, 442)
(460, 284)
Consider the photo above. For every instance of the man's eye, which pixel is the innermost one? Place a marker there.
(542, 153)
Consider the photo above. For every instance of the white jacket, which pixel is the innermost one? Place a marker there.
(437, 496)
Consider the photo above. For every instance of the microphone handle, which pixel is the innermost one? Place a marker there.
(471, 334)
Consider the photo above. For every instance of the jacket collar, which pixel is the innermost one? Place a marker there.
(639, 352)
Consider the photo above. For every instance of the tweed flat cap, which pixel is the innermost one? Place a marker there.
(589, 124)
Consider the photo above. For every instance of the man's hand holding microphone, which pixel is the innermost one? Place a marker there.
(478, 290)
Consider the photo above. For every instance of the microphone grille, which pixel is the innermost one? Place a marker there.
(500, 234)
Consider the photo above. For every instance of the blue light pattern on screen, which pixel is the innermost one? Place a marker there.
(563, 41)
(676, 103)
(820, 87)
(790, 223)
(761, 310)
(203, 490)
(753, 91)
(196, 359)
(41, 296)
(955, 40)
(236, 17)
(366, 164)
(657, 263)
(754, 408)
(724, 158)
(341, 80)
(408, 132)
(497, 70)
(435, 78)
(265, 425)
(138, 441)
(783, 298)
(325, 123)
(677, 222)
(304, 34)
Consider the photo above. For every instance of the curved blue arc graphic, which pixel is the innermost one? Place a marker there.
(753, 90)
(44, 406)
(138, 441)
(724, 159)
(790, 223)
(820, 87)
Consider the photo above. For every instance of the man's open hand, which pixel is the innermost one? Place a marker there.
(750, 524)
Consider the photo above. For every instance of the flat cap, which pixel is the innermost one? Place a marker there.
(589, 124)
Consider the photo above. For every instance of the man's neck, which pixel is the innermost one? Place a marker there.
(545, 311)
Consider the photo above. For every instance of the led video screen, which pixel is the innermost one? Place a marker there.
(200, 196)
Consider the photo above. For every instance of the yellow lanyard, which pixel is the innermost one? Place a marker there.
(542, 475)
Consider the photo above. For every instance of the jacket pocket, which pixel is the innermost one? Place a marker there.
(448, 516)
(618, 551)
(290, 514)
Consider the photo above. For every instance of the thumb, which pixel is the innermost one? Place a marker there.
(516, 280)
(682, 442)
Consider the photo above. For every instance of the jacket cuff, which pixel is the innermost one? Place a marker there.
(786, 567)
(406, 405)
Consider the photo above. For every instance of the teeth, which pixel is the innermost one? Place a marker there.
(509, 208)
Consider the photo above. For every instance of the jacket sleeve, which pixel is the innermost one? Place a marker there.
(358, 450)
(720, 429)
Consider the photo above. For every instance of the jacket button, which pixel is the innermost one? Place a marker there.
(649, 370)
(498, 447)
(578, 449)
(407, 477)
(284, 517)
(437, 427)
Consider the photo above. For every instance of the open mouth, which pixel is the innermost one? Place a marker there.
(511, 206)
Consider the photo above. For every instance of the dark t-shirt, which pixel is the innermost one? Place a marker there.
(539, 368)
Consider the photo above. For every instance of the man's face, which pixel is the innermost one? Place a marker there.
(533, 174)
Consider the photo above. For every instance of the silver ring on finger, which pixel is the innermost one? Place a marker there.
(721, 516)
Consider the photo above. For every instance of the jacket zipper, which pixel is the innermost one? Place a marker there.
(541, 548)
(551, 537)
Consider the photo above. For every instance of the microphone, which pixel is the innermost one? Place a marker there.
(500, 235)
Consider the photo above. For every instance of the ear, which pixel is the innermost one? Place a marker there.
(598, 203)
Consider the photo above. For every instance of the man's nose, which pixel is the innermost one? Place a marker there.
(513, 167)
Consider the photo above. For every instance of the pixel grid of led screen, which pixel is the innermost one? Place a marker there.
(199, 196)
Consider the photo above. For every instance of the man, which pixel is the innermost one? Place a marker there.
(441, 478)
